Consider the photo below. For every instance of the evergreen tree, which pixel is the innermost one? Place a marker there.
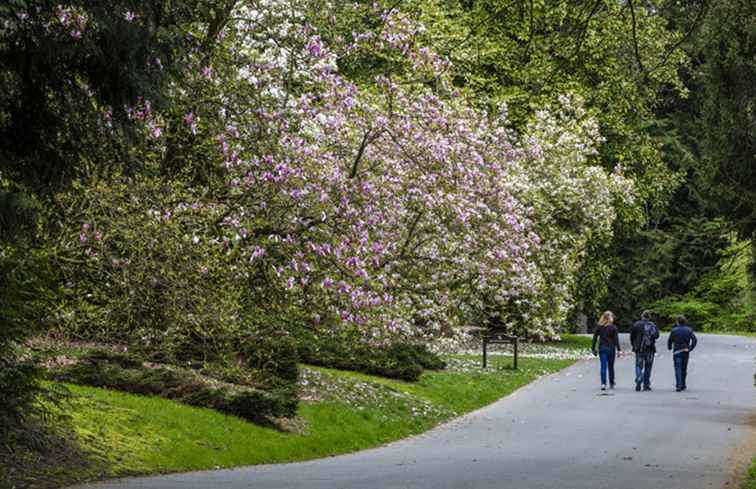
(727, 117)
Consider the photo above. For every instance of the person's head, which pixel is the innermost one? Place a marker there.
(607, 318)
(646, 316)
(681, 320)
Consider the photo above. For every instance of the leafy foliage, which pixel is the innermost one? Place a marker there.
(70, 71)
(669, 260)
(719, 302)
(132, 273)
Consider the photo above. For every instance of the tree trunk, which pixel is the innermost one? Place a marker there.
(581, 323)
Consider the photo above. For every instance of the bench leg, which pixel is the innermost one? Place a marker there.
(515, 353)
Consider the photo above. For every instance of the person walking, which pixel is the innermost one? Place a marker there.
(609, 345)
(683, 340)
(643, 337)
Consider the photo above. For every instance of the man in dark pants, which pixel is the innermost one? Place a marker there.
(684, 340)
(643, 337)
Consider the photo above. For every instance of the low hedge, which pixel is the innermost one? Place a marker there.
(397, 361)
(126, 373)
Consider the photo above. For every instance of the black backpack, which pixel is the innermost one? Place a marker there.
(646, 340)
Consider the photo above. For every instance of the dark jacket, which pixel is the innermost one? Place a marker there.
(608, 337)
(636, 334)
(682, 337)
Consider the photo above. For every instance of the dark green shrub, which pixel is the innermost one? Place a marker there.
(418, 353)
(125, 373)
(404, 361)
(273, 353)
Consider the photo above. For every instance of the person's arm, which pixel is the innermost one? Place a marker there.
(656, 331)
(669, 339)
(693, 340)
(595, 335)
(616, 338)
(633, 334)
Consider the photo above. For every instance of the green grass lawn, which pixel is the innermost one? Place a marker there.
(750, 480)
(127, 434)
(573, 342)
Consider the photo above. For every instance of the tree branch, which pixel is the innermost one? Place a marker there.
(635, 38)
(410, 234)
(367, 139)
(676, 46)
(585, 26)
(360, 152)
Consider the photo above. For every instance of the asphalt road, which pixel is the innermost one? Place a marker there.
(557, 433)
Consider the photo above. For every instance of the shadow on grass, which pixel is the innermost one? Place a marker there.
(41, 457)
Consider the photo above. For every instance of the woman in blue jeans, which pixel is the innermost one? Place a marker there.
(609, 345)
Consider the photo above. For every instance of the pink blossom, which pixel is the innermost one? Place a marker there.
(315, 47)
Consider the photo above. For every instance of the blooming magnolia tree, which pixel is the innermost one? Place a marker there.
(390, 208)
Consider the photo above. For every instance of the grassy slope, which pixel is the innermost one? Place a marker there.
(129, 434)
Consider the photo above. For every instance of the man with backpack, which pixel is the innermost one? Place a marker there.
(643, 337)
(684, 340)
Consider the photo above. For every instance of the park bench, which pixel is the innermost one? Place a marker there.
(494, 337)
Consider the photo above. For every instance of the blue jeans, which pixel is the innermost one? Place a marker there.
(643, 363)
(606, 355)
(681, 368)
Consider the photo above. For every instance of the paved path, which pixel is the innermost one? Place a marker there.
(557, 433)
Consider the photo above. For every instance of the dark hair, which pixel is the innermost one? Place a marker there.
(646, 315)
(681, 319)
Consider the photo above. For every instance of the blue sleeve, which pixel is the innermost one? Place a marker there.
(669, 340)
(693, 340)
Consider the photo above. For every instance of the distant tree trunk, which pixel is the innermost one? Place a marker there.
(581, 323)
